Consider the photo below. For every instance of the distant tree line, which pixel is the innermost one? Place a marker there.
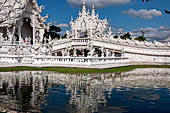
(129, 36)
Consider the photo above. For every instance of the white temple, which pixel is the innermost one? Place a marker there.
(90, 41)
(20, 21)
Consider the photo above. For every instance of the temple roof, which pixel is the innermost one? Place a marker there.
(87, 21)
(12, 10)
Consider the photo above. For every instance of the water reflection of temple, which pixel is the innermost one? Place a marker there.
(26, 91)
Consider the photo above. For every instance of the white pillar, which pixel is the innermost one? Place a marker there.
(75, 34)
(19, 33)
(9, 35)
(102, 49)
(1, 38)
(33, 20)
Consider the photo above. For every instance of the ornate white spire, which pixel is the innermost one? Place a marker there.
(110, 31)
(84, 6)
(88, 22)
(93, 10)
(71, 22)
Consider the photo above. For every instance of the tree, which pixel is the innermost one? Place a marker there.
(140, 38)
(115, 36)
(146, 0)
(126, 36)
(167, 12)
(52, 32)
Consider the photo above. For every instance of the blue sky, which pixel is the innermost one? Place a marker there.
(60, 11)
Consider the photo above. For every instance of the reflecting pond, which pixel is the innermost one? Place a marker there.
(137, 91)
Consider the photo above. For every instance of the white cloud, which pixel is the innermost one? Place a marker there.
(117, 30)
(143, 13)
(99, 3)
(63, 25)
(161, 33)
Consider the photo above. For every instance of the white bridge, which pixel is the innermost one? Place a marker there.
(126, 46)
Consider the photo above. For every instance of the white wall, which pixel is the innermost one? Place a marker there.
(146, 59)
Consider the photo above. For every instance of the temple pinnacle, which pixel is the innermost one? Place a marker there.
(93, 10)
(84, 6)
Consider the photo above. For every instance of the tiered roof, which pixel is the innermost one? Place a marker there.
(12, 10)
(88, 22)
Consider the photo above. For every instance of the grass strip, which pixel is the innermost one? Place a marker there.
(81, 70)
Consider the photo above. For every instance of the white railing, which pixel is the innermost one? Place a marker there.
(80, 40)
(77, 60)
(133, 49)
(60, 60)
(10, 59)
(9, 43)
(61, 41)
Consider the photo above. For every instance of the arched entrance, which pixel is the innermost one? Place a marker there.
(27, 31)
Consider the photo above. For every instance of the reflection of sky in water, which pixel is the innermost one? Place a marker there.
(138, 91)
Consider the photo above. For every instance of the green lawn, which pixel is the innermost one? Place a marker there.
(78, 70)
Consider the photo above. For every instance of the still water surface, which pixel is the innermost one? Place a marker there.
(137, 91)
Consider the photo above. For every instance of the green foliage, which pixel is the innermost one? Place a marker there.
(146, 0)
(126, 36)
(141, 38)
(54, 29)
(115, 36)
(52, 32)
(167, 11)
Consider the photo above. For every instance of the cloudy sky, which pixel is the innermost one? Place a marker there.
(123, 15)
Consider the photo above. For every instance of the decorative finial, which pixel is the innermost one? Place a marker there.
(110, 29)
(84, 6)
(93, 7)
(88, 12)
(93, 10)
(84, 2)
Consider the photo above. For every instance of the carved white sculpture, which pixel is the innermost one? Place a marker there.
(87, 22)
(12, 16)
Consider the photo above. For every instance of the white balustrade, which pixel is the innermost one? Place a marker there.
(84, 40)
(60, 60)
(77, 60)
